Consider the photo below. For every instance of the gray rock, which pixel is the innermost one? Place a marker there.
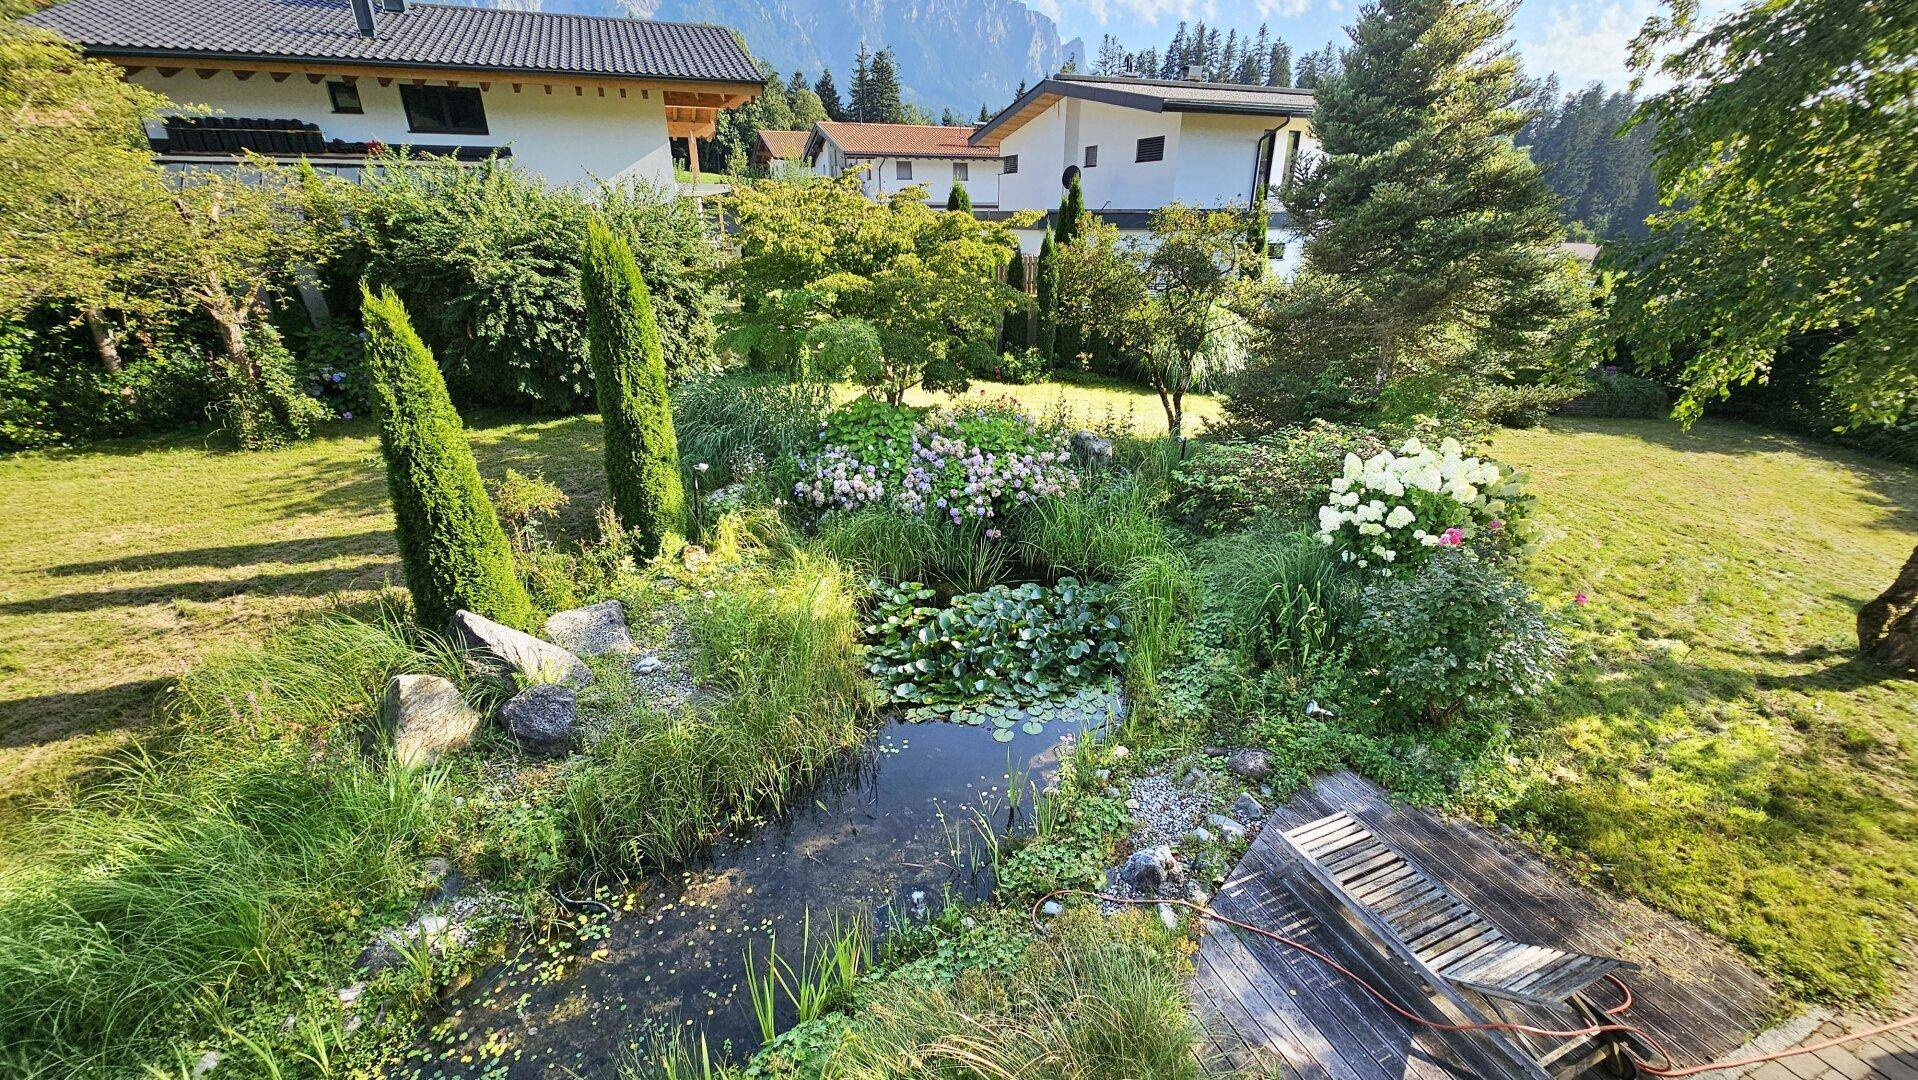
(542, 718)
(1150, 870)
(437, 933)
(1248, 808)
(1088, 448)
(1215, 751)
(1250, 764)
(507, 651)
(208, 1062)
(647, 664)
(429, 718)
(1051, 907)
(1168, 917)
(1227, 827)
(594, 630)
(1200, 835)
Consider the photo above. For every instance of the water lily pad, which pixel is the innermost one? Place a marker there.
(1003, 734)
(1032, 727)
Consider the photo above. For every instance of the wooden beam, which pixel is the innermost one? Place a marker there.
(206, 73)
(167, 72)
(136, 69)
(244, 75)
(315, 78)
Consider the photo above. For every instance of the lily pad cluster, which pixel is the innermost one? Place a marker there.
(1008, 656)
(1086, 707)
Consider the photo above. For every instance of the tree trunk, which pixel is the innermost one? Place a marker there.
(1888, 626)
(106, 339)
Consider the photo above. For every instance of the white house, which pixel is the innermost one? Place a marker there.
(895, 156)
(570, 97)
(1139, 144)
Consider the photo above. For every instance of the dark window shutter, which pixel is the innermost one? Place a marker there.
(1011, 165)
(1092, 156)
(1151, 149)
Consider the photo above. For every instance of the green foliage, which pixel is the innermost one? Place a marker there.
(774, 644)
(1096, 530)
(958, 199)
(1455, 635)
(1015, 335)
(265, 407)
(1518, 406)
(1024, 643)
(1613, 393)
(1071, 218)
(53, 392)
(193, 894)
(451, 545)
(622, 341)
(1284, 596)
(1026, 366)
(887, 543)
(1046, 297)
(1603, 174)
(1428, 217)
(1224, 486)
(488, 257)
(1785, 158)
(748, 427)
(818, 251)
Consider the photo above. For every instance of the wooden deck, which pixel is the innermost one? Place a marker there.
(1276, 1012)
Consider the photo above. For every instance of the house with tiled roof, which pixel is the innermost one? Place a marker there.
(890, 157)
(570, 97)
(1137, 144)
(778, 150)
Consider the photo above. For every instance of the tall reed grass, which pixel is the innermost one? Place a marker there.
(896, 546)
(1286, 597)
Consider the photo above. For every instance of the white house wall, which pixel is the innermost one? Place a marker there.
(566, 137)
(1039, 146)
(879, 177)
(1119, 182)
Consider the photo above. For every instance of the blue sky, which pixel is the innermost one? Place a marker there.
(1582, 40)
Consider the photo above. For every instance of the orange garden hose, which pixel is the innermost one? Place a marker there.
(1668, 1067)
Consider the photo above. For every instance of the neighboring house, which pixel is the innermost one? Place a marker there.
(895, 156)
(777, 152)
(1139, 144)
(570, 97)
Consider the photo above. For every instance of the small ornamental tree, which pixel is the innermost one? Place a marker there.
(1018, 327)
(629, 368)
(1047, 298)
(1072, 212)
(958, 199)
(451, 545)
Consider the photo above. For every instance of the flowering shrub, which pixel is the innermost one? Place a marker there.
(1392, 509)
(973, 463)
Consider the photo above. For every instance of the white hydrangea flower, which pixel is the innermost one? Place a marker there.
(1400, 517)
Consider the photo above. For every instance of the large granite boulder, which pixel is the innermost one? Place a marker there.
(542, 718)
(509, 652)
(1253, 764)
(594, 630)
(429, 718)
(1150, 870)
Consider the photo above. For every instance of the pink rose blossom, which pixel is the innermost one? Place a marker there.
(1495, 524)
(1452, 537)
(1581, 599)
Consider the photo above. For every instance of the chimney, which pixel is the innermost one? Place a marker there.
(398, 7)
(363, 16)
(1192, 73)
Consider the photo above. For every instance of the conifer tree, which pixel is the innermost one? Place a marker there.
(1278, 68)
(1421, 204)
(958, 199)
(859, 101)
(829, 96)
(452, 548)
(882, 78)
(629, 369)
(1072, 212)
(1047, 298)
(1174, 54)
(1017, 332)
(985, 112)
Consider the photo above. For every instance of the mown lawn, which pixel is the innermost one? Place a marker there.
(122, 565)
(1721, 754)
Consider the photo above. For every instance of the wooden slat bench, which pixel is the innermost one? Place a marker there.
(1455, 948)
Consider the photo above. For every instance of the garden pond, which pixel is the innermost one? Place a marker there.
(894, 835)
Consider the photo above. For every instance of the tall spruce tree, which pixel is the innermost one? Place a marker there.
(1420, 203)
(1278, 67)
(829, 96)
(887, 106)
(452, 548)
(629, 370)
(859, 101)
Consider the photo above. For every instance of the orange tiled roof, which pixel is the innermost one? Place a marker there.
(785, 144)
(903, 140)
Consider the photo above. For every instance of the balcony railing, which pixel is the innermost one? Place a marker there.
(232, 136)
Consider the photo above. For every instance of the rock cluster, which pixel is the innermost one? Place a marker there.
(429, 718)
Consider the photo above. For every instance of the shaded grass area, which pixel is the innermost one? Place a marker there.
(1716, 749)
(125, 564)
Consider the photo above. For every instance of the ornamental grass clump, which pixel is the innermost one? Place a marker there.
(1393, 509)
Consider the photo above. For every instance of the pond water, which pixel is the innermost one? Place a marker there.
(865, 842)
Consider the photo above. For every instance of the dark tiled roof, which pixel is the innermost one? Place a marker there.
(902, 140)
(424, 35)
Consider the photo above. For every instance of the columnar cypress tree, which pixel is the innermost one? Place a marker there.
(958, 199)
(1017, 324)
(1072, 212)
(1047, 298)
(1421, 204)
(622, 344)
(452, 548)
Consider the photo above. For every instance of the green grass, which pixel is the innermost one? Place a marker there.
(1718, 751)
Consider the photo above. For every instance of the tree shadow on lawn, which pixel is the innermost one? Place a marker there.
(41, 718)
(227, 557)
(300, 582)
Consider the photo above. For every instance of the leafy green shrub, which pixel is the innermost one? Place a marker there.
(1006, 643)
(487, 256)
(1223, 486)
(53, 391)
(1285, 596)
(1458, 634)
(1015, 332)
(622, 341)
(451, 545)
(1609, 392)
(1019, 367)
(266, 408)
(748, 427)
(1519, 406)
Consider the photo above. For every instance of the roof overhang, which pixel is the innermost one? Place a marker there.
(1030, 105)
(702, 96)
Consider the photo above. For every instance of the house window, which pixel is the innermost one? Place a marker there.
(1092, 156)
(1291, 156)
(1011, 165)
(443, 110)
(961, 171)
(1152, 149)
(345, 97)
(902, 170)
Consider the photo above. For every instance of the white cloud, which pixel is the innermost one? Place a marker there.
(1583, 41)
